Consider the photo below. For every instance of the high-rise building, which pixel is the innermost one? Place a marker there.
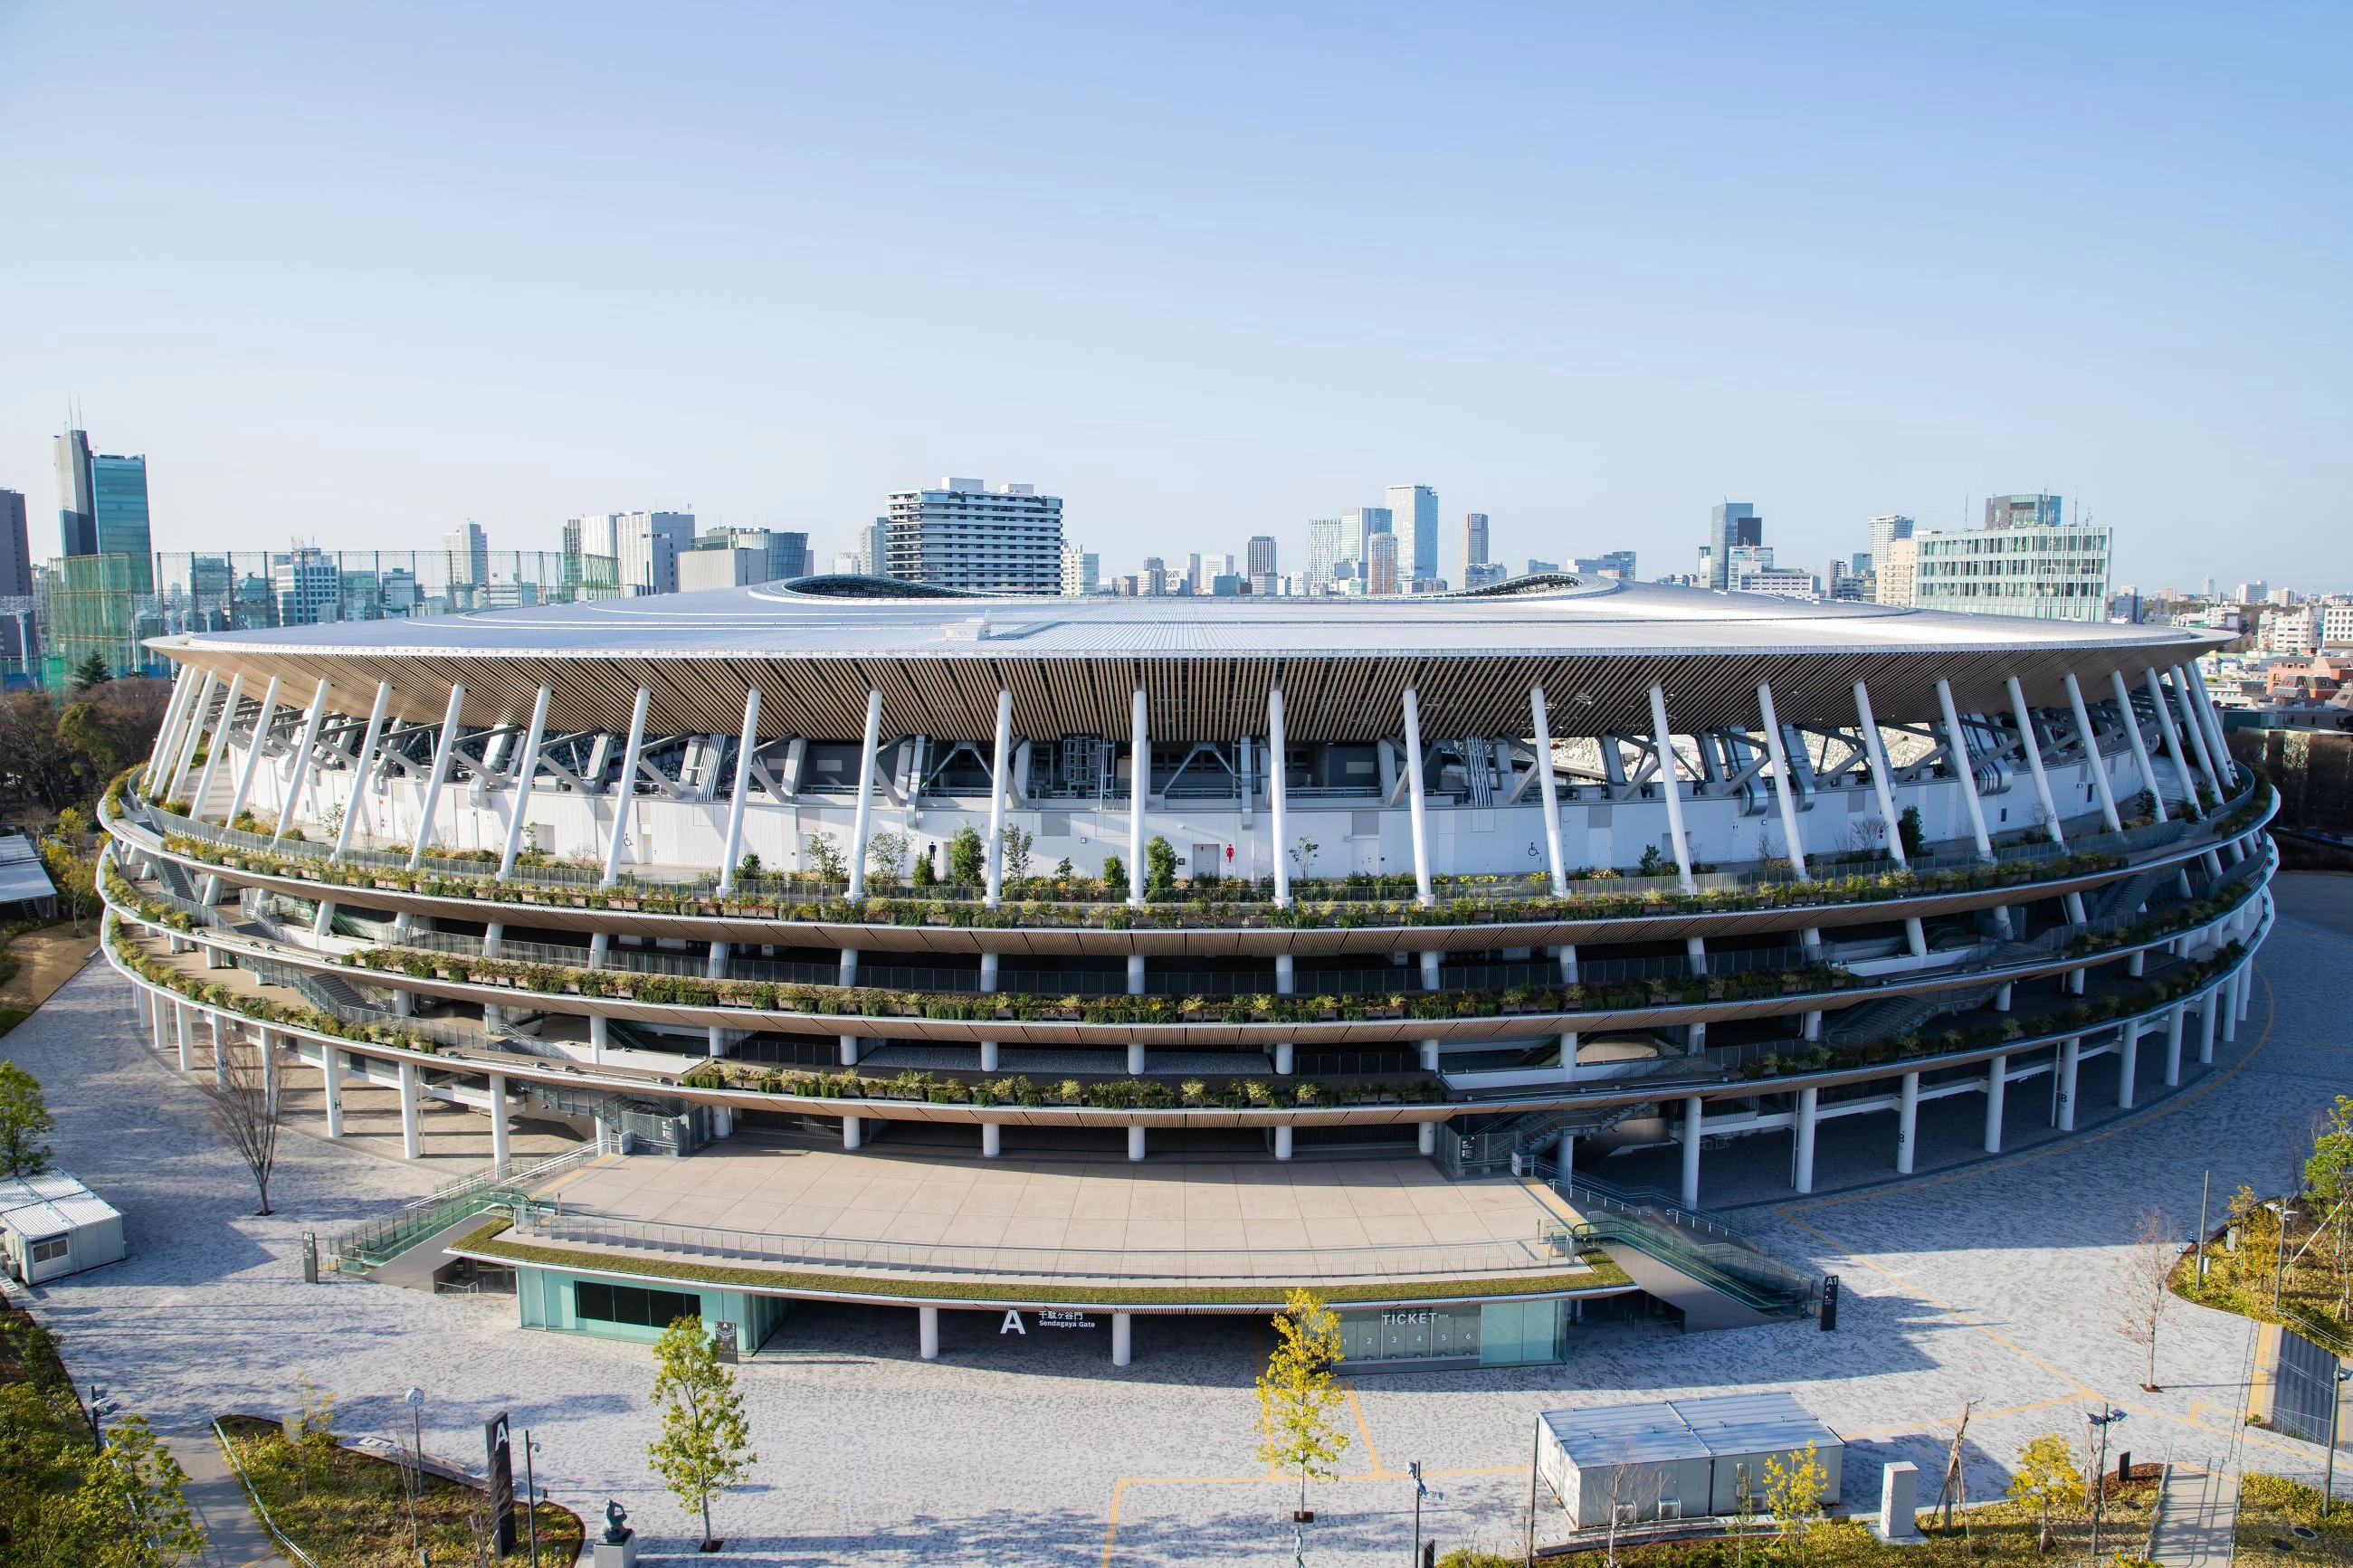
(2045, 570)
(15, 577)
(789, 555)
(644, 545)
(1474, 544)
(2024, 511)
(965, 535)
(1364, 521)
(874, 548)
(736, 559)
(1885, 531)
(1381, 564)
(1414, 511)
(469, 555)
(77, 525)
(1082, 572)
(1731, 523)
(1485, 573)
(1330, 540)
(1617, 564)
(1261, 554)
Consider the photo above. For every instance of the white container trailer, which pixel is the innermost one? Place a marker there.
(51, 1226)
(1677, 1459)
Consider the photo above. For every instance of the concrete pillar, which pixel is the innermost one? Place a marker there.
(1695, 953)
(992, 1140)
(1418, 807)
(1809, 1107)
(1547, 789)
(330, 1088)
(1813, 1026)
(2091, 763)
(1784, 795)
(1695, 1126)
(1567, 954)
(2025, 717)
(1135, 974)
(2070, 1053)
(404, 1004)
(850, 1131)
(220, 749)
(1286, 975)
(2128, 1064)
(154, 1003)
(1965, 772)
(445, 752)
(2206, 1008)
(849, 1051)
(1875, 747)
(927, 1332)
(412, 1135)
(1139, 799)
(1123, 1338)
(527, 773)
(2173, 1017)
(220, 1050)
(1429, 962)
(862, 824)
(598, 1036)
(1136, 1142)
(1563, 1157)
(1568, 1058)
(502, 1150)
(1907, 1123)
(989, 973)
(267, 1044)
(715, 1042)
(2001, 1000)
(1278, 788)
(1284, 1057)
(1135, 1058)
(1283, 1142)
(848, 971)
(999, 779)
(180, 1018)
(2231, 990)
(1670, 789)
(988, 1055)
(1425, 1138)
(2137, 965)
(1695, 1043)
(2139, 746)
(1430, 1056)
(1996, 1100)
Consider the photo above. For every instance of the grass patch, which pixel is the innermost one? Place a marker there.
(12, 1017)
(351, 1510)
(2271, 1506)
(484, 1240)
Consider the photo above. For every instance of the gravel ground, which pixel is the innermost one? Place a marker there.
(1989, 1283)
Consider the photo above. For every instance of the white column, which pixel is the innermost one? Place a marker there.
(2230, 989)
(2091, 763)
(412, 1136)
(927, 1332)
(180, 1018)
(1997, 1098)
(444, 750)
(1278, 808)
(1883, 783)
(2209, 721)
(311, 722)
(1805, 1122)
(193, 733)
(1139, 795)
(527, 775)
(1668, 786)
(1956, 750)
(1136, 1142)
(330, 1088)
(867, 762)
(220, 1050)
(992, 1140)
(2070, 1055)
(501, 1150)
(2139, 746)
(155, 1016)
(850, 1131)
(1000, 784)
(1568, 1057)
(1564, 1159)
(1429, 962)
(1135, 1058)
(1550, 793)
(369, 740)
(1413, 799)
(2128, 1064)
(1123, 1338)
(2173, 1020)
(1430, 1056)
(1285, 1059)
(848, 1050)
(221, 728)
(2025, 717)
(747, 743)
(1283, 1142)
(1286, 975)
(2172, 734)
(625, 794)
(1694, 1127)
(1907, 1123)
(988, 1054)
(1425, 1138)
(1135, 974)
(2197, 733)
(1783, 794)
(183, 690)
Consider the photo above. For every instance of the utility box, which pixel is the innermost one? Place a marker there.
(52, 1225)
(1677, 1459)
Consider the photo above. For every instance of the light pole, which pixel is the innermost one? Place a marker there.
(416, 1398)
(2336, 1398)
(2279, 1250)
(530, 1496)
(100, 1407)
(1420, 1490)
(2108, 1417)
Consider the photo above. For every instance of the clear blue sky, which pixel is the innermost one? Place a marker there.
(358, 274)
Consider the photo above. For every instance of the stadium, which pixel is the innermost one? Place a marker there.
(1097, 959)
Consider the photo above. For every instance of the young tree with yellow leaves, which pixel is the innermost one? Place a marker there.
(1298, 1401)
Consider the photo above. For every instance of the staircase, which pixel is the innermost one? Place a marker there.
(2126, 895)
(1509, 1146)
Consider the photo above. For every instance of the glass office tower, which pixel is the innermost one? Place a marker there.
(118, 493)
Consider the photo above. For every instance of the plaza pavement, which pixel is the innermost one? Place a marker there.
(1989, 1282)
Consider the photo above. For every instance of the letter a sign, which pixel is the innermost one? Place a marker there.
(1013, 1324)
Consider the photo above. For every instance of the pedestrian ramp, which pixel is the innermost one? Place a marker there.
(2197, 1516)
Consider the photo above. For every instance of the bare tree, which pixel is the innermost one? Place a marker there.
(2144, 1286)
(244, 1101)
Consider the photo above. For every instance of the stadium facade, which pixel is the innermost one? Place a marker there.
(1410, 893)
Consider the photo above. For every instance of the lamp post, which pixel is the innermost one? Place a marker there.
(100, 1407)
(530, 1496)
(415, 1399)
(2336, 1398)
(1420, 1490)
(2109, 1415)
(2279, 1248)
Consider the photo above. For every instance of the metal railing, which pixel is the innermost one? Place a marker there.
(370, 1244)
(260, 1508)
(1538, 1253)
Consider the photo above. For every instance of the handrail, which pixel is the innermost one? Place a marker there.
(259, 1508)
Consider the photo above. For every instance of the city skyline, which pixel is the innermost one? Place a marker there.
(1154, 369)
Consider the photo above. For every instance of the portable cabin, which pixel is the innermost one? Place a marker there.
(52, 1225)
(1677, 1459)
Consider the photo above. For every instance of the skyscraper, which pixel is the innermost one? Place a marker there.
(1381, 564)
(1414, 509)
(1732, 523)
(1261, 550)
(1330, 540)
(103, 507)
(469, 555)
(1474, 542)
(1885, 531)
(644, 544)
(964, 534)
(1082, 571)
(15, 575)
(874, 549)
(77, 525)
(1364, 521)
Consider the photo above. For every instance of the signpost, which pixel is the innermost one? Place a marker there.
(500, 1474)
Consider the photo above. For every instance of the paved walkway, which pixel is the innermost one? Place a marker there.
(2196, 1518)
(1988, 1283)
(233, 1537)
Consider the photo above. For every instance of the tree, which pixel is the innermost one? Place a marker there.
(926, 874)
(1016, 854)
(886, 855)
(1114, 875)
(2046, 1474)
(310, 1431)
(2143, 1287)
(819, 850)
(1908, 830)
(130, 1504)
(2328, 1178)
(1793, 1496)
(967, 860)
(1302, 855)
(91, 671)
(1297, 1399)
(705, 1444)
(1160, 862)
(242, 1099)
(25, 1120)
